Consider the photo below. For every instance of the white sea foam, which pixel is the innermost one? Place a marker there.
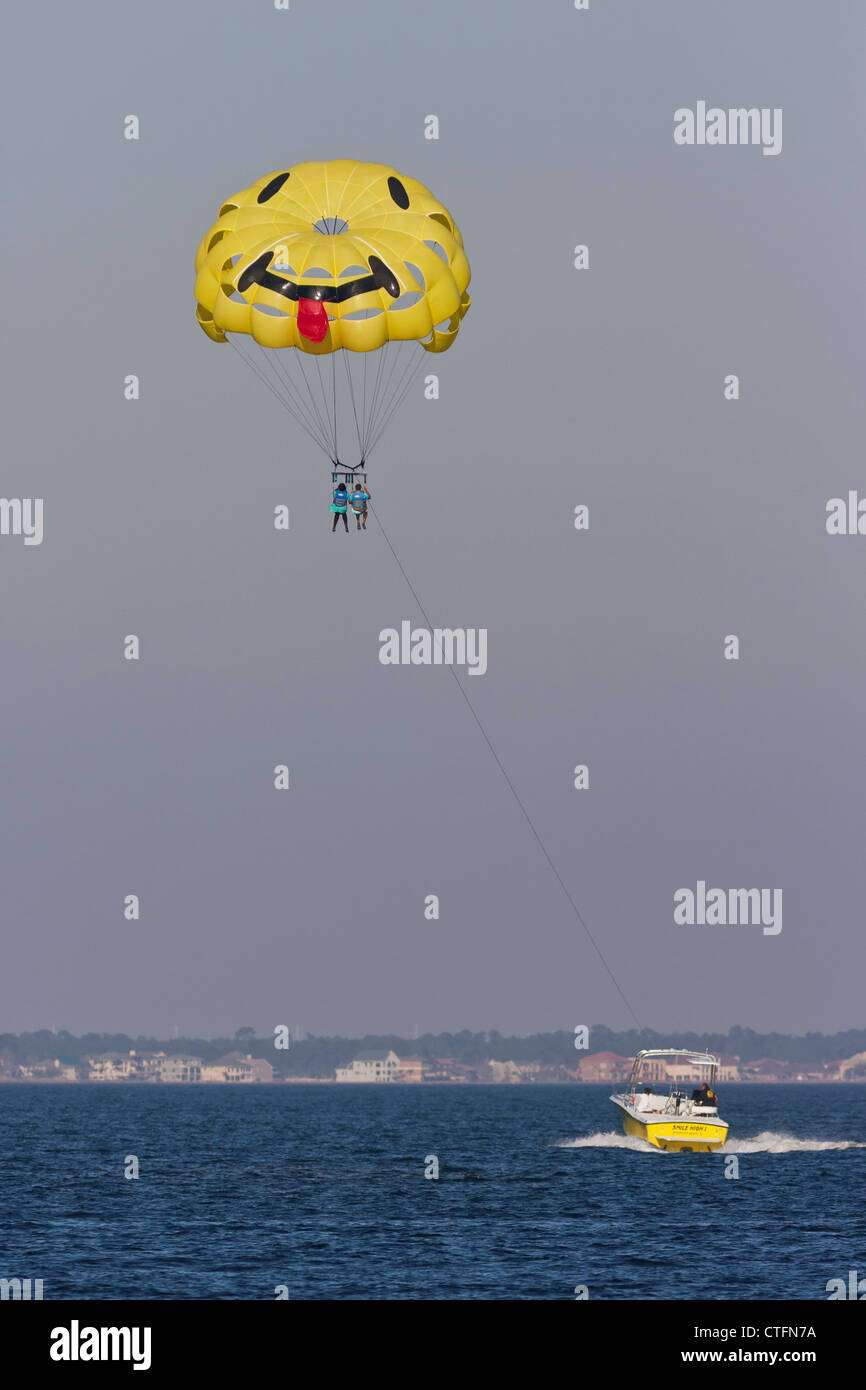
(771, 1143)
(766, 1142)
(609, 1139)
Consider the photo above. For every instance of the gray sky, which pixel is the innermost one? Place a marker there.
(603, 387)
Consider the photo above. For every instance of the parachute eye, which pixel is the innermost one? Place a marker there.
(383, 277)
(398, 192)
(273, 187)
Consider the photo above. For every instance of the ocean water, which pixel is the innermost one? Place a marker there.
(321, 1189)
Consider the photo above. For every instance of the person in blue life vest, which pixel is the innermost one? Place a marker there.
(338, 507)
(359, 499)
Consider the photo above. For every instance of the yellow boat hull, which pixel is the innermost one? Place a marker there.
(678, 1136)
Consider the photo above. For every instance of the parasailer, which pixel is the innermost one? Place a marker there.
(338, 507)
(359, 499)
(327, 277)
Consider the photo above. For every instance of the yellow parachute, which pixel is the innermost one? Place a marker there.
(331, 259)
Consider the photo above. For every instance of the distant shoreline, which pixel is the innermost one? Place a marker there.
(411, 1085)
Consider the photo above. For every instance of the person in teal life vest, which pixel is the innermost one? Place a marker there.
(338, 507)
(359, 499)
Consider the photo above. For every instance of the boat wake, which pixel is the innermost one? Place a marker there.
(766, 1142)
(609, 1139)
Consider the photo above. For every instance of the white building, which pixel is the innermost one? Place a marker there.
(48, 1071)
(112, 1066)
(375, 1065)
(237, 1067)
(179, 1068)
(125, 1066)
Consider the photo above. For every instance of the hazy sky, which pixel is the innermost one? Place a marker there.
(601, 387)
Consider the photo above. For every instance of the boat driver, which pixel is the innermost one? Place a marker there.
(704, 1096)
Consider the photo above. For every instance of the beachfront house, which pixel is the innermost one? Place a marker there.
(377, 1064)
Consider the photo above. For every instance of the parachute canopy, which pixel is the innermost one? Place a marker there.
(333, 255)
(334, 261)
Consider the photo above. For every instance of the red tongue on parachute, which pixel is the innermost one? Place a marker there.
(312, 319)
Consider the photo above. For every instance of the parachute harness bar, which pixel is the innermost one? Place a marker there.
(349, 475)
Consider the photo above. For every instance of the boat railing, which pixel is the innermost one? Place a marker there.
(675, 1103)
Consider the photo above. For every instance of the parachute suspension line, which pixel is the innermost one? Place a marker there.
(384, 397)
(395, 393)
(331, 406)
(364, 407)
(311, 413)
(334, 388)
(354, 407)
(292, 392)
(288, 395)
(325, 404)
(326, 433)
(318, 409)
(374, 395)
(393, 351)
(280, 395)
(403, 387)
(511, 787)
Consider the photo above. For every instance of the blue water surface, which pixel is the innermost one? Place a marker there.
(322, 1189)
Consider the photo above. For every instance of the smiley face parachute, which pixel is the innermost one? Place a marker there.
(332, 268)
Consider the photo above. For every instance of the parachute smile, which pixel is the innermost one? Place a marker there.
(312, 319)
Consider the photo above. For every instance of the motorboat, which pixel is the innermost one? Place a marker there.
(654, 1106)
